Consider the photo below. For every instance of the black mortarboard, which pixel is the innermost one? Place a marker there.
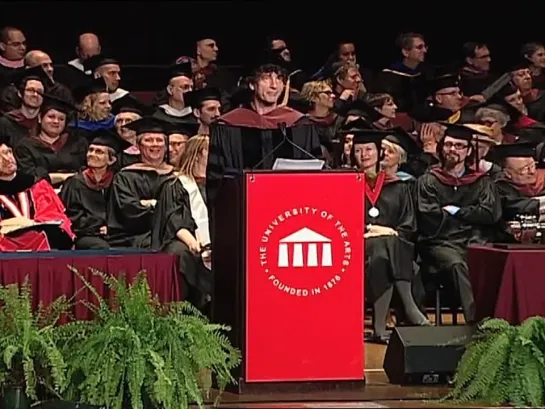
(93, 86)
(107, 137)
(457, 131)
(505, 91)
(36, 73)
(444, 81)
(522, 63)
(182, 69)
(149, 124)
(362, 133)
(52, 102)
(361, 108)
(96, 61)
(183, 128)
(4, 139)
(431, 113)
(131, 104)
(130, 109)
(196, 97)
(402, 138)
(359, 123)
(515, 150)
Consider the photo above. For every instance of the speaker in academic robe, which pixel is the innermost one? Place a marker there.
(425, 355)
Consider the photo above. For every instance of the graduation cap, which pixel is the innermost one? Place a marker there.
(444, 81)
(182, 69)
(110, 139)
(403, 139)
(356, 124)
(195, 98)
(58, 104)
(4, 140)
(431, 113)
(515, 150)
(484, 133)
(35, 73)
(183, 128)
(131, 110)
(149, 124)
(93, 86)
(463, 132)
(361, 108)
(522, 63)
(96, 61)
(363, 134)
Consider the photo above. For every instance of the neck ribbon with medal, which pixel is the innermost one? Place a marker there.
(373, 194)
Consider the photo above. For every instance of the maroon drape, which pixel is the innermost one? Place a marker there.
(50, 276)
(507, 284)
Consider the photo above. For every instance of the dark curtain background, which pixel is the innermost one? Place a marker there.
(155, 32)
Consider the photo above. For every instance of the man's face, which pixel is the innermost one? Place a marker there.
(482, 59)
(208, 112)
(32, 94)
(111, 74)
(417, 52)
(281, 47)
(178, 86)
(455, 151)
(522, 79)
(121, 121)
(347, 52)
(152, 147)
(98, 157)
(8, 165)
(449, 98)
(521, 170)
(268, 88)
(207, 49)
(352, 79)
(516, 101)
(15, 47)
(176, 146)
(45, 61)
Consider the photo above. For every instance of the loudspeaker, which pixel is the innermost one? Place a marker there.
(425, 355)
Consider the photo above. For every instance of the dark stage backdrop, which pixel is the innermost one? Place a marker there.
(147, 32)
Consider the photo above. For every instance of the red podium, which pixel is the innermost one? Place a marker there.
(288, 261)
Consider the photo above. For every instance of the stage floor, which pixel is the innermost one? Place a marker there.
(378, 392)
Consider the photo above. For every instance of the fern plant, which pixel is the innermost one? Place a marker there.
(503, 365)
(29, 356)
(139, 352)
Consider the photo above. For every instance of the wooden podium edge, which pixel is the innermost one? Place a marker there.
(261, 388)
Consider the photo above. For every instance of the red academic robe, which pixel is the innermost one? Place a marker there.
(47, 207)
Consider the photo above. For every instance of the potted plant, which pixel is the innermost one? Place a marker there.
(140, 353)
(29, 355)
(503, 365)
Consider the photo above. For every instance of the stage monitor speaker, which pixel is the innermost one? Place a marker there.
(425, 355)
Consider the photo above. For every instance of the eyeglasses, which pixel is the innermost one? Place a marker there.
(526, 169)
(456, 145)
(328, 93)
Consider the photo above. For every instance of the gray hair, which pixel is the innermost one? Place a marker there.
(483, 114)
(399, 150)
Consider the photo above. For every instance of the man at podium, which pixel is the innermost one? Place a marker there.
(256, 134)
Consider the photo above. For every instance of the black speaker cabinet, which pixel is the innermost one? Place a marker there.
(425, 355)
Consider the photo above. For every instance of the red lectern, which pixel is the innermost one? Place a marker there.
(288, 261)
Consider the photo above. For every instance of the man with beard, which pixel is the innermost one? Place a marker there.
(254, 136)
(206, 104)
(457, 206)
(521, 186)
(31, 215)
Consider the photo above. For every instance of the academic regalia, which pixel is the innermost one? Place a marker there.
(406, 87)
(243, 139)
(444, 237)
(67, 154)
(473, 82)
(181, 205)
(24, 197)
(519, 199)
(86, 198)
(130, 222)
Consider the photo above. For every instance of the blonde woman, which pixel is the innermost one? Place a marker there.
(180, 224)
(94, 109)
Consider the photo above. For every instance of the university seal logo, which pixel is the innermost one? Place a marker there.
(305, 251)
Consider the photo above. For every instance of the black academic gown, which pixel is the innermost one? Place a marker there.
(535, 102)
(14, 125)
(243, 139)
(35, 157)
(85, 202)
(390, 258)
(444, 237)
(173, 213)
(129, 222)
